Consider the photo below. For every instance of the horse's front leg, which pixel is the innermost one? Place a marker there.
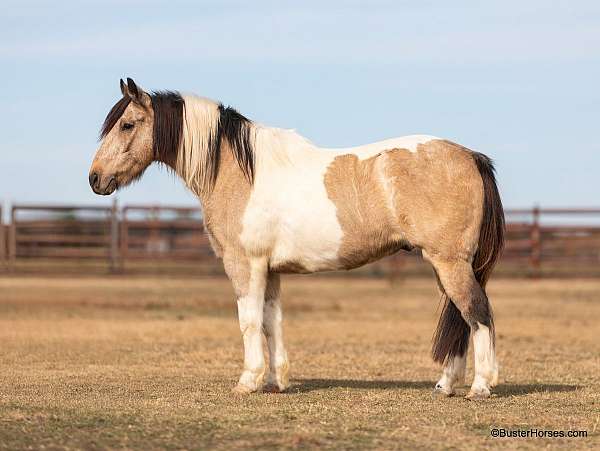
(277, 379)
(250, 313)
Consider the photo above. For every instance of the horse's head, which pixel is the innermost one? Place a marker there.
(126, 149)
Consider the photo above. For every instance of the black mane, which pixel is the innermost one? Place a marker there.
(168, 125)
(235, 128)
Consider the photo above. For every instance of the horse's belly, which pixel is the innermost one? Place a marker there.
(307, 246)
(305, 252)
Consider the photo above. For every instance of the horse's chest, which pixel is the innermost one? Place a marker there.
(295, 223)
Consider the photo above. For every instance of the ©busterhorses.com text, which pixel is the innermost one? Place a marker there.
(536, 433)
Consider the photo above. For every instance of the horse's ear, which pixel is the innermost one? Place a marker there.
(124, 89)
(133, 88)
(137, 94)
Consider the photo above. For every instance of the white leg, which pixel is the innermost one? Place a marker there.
(277, 379)
(486, 370)
(250, 312)
(453, 373)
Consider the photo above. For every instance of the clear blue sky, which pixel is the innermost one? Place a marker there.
(517, 80)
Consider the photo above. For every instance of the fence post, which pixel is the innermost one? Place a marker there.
(124, 237)
(12, 237)
(536, 244)
(2, 239)
(114, 237)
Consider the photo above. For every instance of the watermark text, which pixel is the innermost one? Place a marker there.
(536, 433)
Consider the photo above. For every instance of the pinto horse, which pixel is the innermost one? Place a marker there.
(275, 203)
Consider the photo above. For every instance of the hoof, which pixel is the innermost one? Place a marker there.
(440, 391)
(477, 395)
(272, 388)
(242, 390)
(277, 382)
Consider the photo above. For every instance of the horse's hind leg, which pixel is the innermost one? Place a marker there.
(458, 280)
(451, 343)
(277, 378)
(453, 373)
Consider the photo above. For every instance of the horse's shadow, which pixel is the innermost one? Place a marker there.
(502, 391)
(505, 390)
(308, 385)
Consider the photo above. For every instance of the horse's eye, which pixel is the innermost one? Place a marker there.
(127, 126)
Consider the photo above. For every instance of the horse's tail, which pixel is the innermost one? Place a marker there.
(452, 334)
(491, 233)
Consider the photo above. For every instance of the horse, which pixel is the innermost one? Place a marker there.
(274, 203)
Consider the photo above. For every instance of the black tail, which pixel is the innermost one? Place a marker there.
(491, 235)
(451, 337)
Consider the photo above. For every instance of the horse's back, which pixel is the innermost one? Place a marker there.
(408, 142)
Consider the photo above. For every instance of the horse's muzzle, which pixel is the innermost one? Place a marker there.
(102, 185)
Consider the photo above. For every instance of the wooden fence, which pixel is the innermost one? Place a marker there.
(162, 233)
(53, 231)
(538, 240)
(551, 238)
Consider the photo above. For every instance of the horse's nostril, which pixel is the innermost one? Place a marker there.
(112, 185)
(94, 180)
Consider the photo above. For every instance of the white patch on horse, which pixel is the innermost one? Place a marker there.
(486, 370)
(409, 142)
(289, 215)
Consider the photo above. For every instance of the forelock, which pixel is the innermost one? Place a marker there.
(114, 115)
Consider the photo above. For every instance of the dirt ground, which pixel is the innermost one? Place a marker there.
(149, 363)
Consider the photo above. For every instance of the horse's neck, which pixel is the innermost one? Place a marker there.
(223, 204)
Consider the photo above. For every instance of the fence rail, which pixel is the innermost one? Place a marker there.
(536, 238)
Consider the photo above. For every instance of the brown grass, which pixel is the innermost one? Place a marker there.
(149, 363)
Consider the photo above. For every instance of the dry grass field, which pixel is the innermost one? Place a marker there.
(148, 363)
